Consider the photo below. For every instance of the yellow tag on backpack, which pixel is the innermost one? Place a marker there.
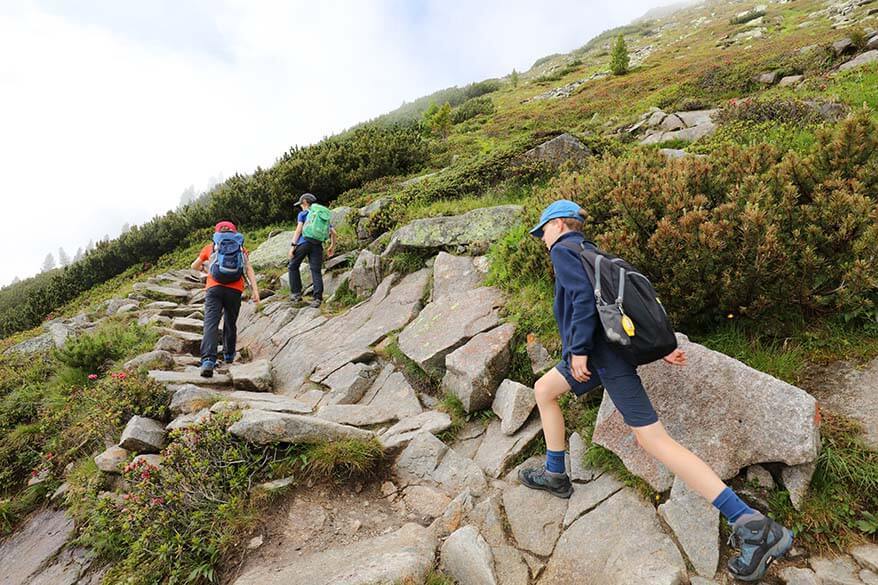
(628, 325)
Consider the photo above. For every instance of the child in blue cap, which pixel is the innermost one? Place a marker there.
(588, 362)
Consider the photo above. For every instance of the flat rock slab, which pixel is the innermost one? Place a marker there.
(404, 555)
(392, 398)
(255, 376)
(576, 468)
(695, 522)
(866, 555)
(479, 226)
(765, 418)
(157, 357)
(427, 460)
(143, 435)
(405, 430)
(189, 342)
(535, 518)
(162, 293)
(836, 571)
(187, 324)
(453, 275)
(852, 391)
(625, 545)
(559, 150)
(262, 427)
(474, 370)
(189, 376)
(587, 497)
(32, 545)
(860, 60)
(348, 384)
(320, 347)
(497, 450)
(273, 251)
(442, 327)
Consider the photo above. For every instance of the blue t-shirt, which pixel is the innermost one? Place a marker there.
(303, 217)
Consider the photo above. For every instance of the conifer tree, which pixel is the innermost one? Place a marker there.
(619, 57)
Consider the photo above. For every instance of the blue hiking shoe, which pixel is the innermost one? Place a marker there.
(761, 541)
(229, 359)
(538, 478)
(207, 367)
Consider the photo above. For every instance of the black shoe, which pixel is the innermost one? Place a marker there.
(760, 541)
(207, 369)
(538, 478)
(295, 298)
(315, 304)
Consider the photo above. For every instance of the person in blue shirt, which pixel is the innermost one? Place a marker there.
(302, 248)
(588, 361)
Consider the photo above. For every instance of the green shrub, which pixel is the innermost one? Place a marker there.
(782, 110)
(472, 108)
(619, 57)
(94, 352)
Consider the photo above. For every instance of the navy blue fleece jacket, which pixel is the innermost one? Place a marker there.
(575, 309)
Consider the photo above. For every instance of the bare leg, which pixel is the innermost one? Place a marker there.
(547, 390)
(682, 462)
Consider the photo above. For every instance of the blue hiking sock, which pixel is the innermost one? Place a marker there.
(731, 506)
(555, 461)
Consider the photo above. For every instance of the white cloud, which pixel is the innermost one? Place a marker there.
(105, 118)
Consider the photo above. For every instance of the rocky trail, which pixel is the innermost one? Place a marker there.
(306, 376)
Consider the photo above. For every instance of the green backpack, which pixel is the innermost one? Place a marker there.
(317, 223)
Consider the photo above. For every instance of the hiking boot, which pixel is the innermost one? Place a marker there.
(295, 298)
(538, 478)
(207, 367)
(315, 304)
(760, 541)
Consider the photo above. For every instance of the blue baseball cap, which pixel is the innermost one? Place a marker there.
(561, 208)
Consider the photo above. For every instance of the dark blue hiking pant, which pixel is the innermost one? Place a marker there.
(313, 250)
(220, 302)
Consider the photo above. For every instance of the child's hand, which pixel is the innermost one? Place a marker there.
(676, 357)
(579, 368)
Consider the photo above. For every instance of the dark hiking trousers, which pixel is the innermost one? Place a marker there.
(313, 250)
(220, 302)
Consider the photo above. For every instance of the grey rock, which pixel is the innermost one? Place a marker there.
(160, 305)
(252, 377)
(694, 118)
(376, 205)
(453, 275)
(59, 332)
(759, 476)
(473, 371)
(340, 216)
(799, 576)
(425, 502)
(686, 134)
(872, 43)
(191, 342)
(151, 460)
(587, 497)
(405, 430)
(467, 558)
(453, 516)
(842, 46)
(535, 518)
(477, 227)
(348, 384)
(578, 470)
(112, 305)
(427, 460)
(774, 421)
(272, 252)
(442, 327)
(540, 360)
(188, 376)
(189, 398)
(625, 545)
(513, 403)
(498, 450)
(673, 153)
(154, 358)
(488, 516)
(162, 293)
(836, 571)
(112, 459)
(406, 554)
(169, 344)
(672, 122)
(366, 274)
(510, 567)
(868, 577)
(769, 78)
(701, 581)
(791, 80)
(263, 427)
(143, 435)
(391, 398)
(313, 347)
(187, 324)
(39, 344)
(655, 118)
(866, 555)
(695, 522)
(851, 390)
(860, 60)
(559, 150)
(32, 546)
(189, 421)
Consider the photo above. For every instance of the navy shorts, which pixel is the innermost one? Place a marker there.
(619, 379)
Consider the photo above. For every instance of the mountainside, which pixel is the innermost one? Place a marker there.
(377, 439)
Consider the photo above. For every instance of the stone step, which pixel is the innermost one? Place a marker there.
(187, 324)
(191, 398)
(189, 376)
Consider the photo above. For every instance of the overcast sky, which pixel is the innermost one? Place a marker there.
(109, 109)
